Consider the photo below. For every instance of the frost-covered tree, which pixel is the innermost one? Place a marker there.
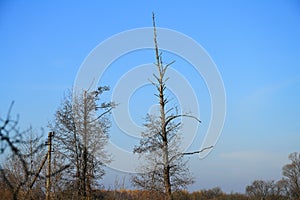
(81, 132)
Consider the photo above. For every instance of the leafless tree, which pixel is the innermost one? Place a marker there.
(21, 151)
(260, 189)
(213, 193)
(268, 190)
(81, 133)
(151, 148)
(34, 186)
(292, 173)
(164, 167)
(283, 188)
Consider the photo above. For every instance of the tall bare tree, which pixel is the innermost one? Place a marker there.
(81, 131)
(165, 168)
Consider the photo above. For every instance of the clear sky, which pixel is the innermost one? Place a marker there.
(255, 45)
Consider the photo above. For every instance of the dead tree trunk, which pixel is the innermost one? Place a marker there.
(162, 102)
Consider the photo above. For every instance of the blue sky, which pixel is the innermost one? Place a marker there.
(255, 45)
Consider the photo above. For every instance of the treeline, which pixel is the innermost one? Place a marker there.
(285, 189)
(215, 193)
(212, 194)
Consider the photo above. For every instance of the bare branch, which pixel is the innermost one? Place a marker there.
(171, 118)
(195, 152)
(166, 67)
(101, 115)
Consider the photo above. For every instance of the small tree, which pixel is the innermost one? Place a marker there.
(268, 190)
(164, 169)
(260, 189)
(33, 149)
(16, 173)
(292, 173)
(213, 193)
(283, 188)
(80, 137)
